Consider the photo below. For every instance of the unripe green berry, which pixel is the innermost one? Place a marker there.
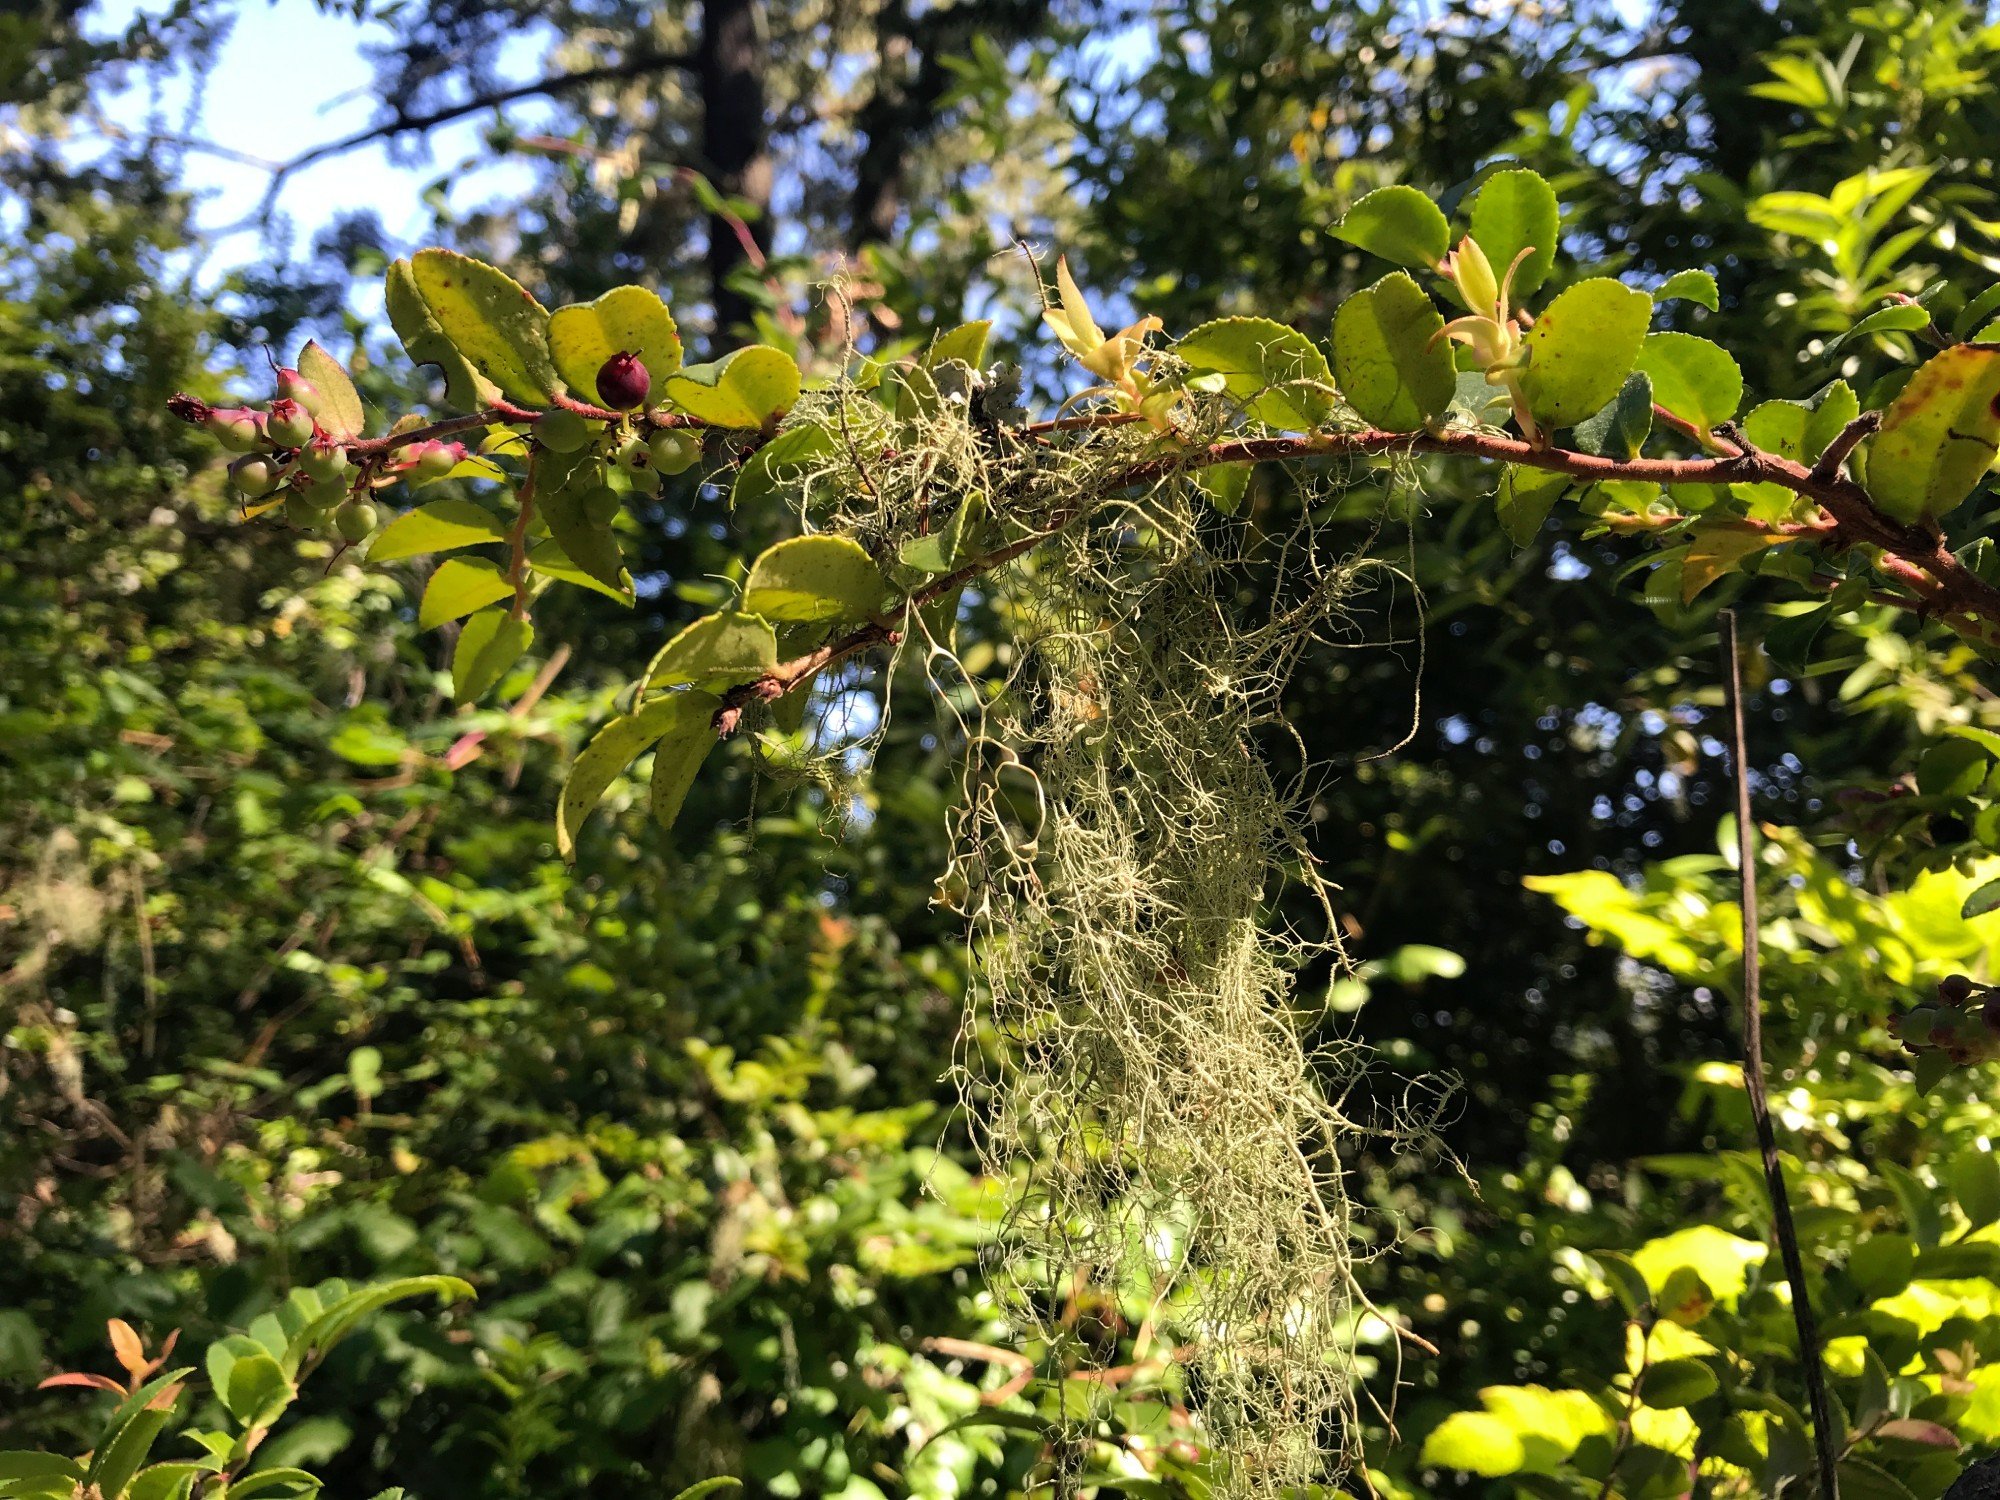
(324, 461)
(324, 494)
(355, 520)
(435, 461)
(254, 477)
(561, 431)
(289, 424)
(674, 452)
(601, 505)
(644, 482)
(292, 386)
(235, 430)
(633, 455)
(302, 513)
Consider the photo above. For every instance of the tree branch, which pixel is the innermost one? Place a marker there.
(1914, 556)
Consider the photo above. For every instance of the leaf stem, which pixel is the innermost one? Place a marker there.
(1753, 1074)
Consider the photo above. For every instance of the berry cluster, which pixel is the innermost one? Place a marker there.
(289, 458)
(1955, 1027)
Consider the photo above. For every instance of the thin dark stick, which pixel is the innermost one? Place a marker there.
(1753, 1074)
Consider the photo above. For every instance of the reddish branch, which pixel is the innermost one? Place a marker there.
(1914, 556)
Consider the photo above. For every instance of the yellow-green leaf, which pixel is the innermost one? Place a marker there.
(1515, 211)
(440, 526)
(335, 404)
(1939, 436)
(966, 342)
(1391, 365)
(814, 578)
(625, 320)
(744, 389)
(1692, 378)
(679, 716)
(563, 497)
(458, 587)
(491, 319)
(488, 645)
(1581, 349)
(1277, 372)
(426, 342)
(717, 651)
(676, 759)
(1718, 551)
(1399, 224)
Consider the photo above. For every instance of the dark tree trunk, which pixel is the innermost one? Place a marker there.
(729, 68)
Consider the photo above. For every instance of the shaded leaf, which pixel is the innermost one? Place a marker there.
(1399, 224)
(1621, 428)
(1526, 497)
(1390, 363)
(679, 716)
(488, 645)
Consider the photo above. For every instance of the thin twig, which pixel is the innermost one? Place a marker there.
(1753, 1075)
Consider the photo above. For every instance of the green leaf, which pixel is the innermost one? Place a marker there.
(676, 759)
(1939, 436)
(708, 1487)
(682, 717)
(625, 320)
(772, 471)
(133, 1429)
(336, 404)
(490, 318)
(1676, 1382)
(1716, 551)
(170, 1481)
(744, 389)
(1929, 1069)
(22, 1464)
(281, 1481)
(1390, 363)
(1477, 400)
(947, 548)
(1512, 211)
(1897, 317)
(1692, 378)
(1798, 430)
(1974, 1180)
(1399, 224)
(426, 342)
(814, 578)
(488, 644)
(1689, 286)
(966, 342)
(1977, 311)
(1986, 898)
(1526, 497)
(1952, 768)
(1011, 1421)
(715, 652)
(549, 559)
(1477, 1442)
(440, 526)
(1581, 349)
(1620, 430)
(1225, 485)
(458, 587)
(345, 1313)
(1262, 364)
(563, 492)
(257, 1389)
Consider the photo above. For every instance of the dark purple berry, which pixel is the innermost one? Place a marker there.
(623, 382)
(1954, 989)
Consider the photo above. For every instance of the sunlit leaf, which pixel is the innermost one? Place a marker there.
(625, 320)
(491, 319)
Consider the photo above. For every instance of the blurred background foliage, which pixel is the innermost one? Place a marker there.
(293, 985)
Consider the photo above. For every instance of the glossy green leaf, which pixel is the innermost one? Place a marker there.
(1390, 362)
(715, 652)
(1276, 372)
(1677, 1382)
(1690, 286)
(440, 526)
(681, 717)
(1897, 317)
(564, 497)
(492, 321)
(426, 342)
(744, 389)
(347, 1312)
(168, 1481)
(1939, 436)
(1620, 430)
(458, 587)
(1399, 224)
(1976, 313)
(967, 342)
(1525, 499)
(1694, 379)
(1974, 1180)
(1983, 900)
(814, 578)
(1581, 349)
(625, 320)
(948, 547)
(335, 403)
(488, 644)
(257, 1389)
(285, 1483)
(1514, 211)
